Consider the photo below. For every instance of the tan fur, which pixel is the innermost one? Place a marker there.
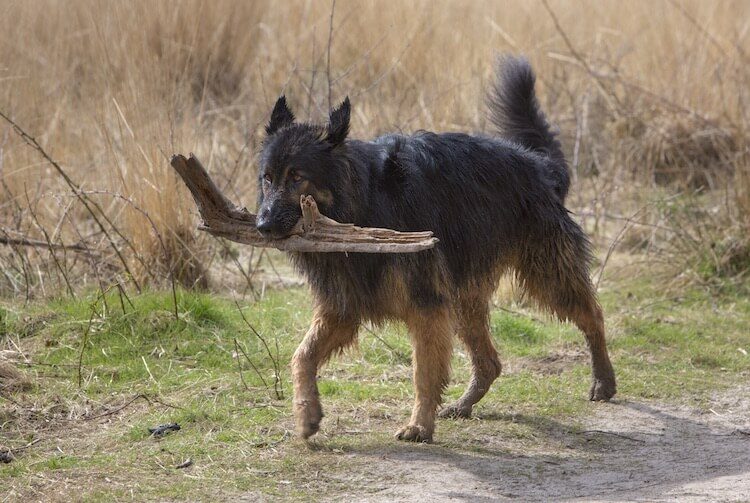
(562, 286)
(307, 188)
(431, 332)
(553, 275)
(474, 332)
(327, 334)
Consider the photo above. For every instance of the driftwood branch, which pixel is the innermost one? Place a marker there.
(313, 233)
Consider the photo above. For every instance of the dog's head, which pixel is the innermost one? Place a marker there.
(299, 159)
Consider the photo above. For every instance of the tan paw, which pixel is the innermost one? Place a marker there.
(414, 433)
(603, 389)
(455, 410)
(307, 416)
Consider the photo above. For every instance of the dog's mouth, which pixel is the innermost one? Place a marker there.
(275, 234)
(281, 228)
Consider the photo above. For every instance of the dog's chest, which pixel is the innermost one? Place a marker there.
(364, 286)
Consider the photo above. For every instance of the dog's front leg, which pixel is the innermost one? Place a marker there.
(327, 334)
(431, 334)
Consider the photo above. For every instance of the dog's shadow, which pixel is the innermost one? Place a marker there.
(643, 453)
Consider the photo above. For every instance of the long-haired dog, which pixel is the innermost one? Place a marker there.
(495, 202)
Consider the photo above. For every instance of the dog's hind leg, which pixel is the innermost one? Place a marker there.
(431, 331)
(553, 269)
(327, 334)
(587, 315)
(589, 319)
(474, 332)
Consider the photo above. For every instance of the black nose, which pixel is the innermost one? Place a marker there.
(264, 225)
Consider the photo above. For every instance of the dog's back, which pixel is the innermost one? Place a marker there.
(483, 197)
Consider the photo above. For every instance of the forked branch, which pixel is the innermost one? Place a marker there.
(313, 233)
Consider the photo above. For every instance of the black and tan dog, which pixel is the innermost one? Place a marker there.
(497, 205)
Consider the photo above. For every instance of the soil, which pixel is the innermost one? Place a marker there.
(625, 451)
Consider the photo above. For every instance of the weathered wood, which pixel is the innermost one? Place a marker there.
(313, 233)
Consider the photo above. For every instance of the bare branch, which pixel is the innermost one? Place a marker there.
(5, 240)
(313, 233)
(328, 57)
(88, 203)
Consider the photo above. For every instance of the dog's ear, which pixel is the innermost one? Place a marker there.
(280, 117)
(338, 125)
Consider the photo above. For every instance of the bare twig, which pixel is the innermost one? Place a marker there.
(188, 462)
(313, 72)
(612, 101)
(143, 396)
(5, 240)
(245, 274)
(13, 450)
(158, 235)
(619, 435)
(239, 349)
(118, 409)
(398, 354)
(278, 387)
(89, 204)
(49, 246)
(702, 29)
(328, 52)
(86, 338)
(629, 222)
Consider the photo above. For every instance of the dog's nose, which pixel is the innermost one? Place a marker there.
(264, 225)
(264, 222)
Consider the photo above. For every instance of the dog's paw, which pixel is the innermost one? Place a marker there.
(307, 415)
(455, 411)
(414, 433)
(602, 389)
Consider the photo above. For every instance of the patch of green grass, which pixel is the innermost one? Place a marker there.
(515, 333)
(141, 366)
(61, 462)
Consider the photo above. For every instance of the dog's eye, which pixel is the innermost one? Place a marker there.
(267, 178)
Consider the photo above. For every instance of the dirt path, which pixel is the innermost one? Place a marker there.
(627, 451)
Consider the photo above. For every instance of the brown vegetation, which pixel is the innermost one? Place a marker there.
(651, 101)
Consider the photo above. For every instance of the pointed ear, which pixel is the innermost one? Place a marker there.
(280, 117)
(338, 127)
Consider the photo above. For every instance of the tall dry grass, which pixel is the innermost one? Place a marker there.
(650, 98)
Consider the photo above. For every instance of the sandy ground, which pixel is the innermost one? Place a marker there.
(627, 451)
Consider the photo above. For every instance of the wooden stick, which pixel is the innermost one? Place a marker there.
(313, 233)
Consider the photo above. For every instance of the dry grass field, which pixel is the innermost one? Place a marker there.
(651, 101)
(98, 241)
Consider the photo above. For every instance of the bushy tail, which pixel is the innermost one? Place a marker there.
(515, 111)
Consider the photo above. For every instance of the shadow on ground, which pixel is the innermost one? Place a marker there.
(624, 451)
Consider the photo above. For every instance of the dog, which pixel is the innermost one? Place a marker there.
(496, 203)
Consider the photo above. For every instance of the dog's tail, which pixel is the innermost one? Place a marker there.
(515, 111)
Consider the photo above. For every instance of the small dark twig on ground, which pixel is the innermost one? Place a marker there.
(163, 429)
(185, 464)
(602, 432)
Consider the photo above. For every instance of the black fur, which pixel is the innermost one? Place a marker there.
(489, 200)
(515, 111)
(496, 204)
(281, 116)
(338, 126)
